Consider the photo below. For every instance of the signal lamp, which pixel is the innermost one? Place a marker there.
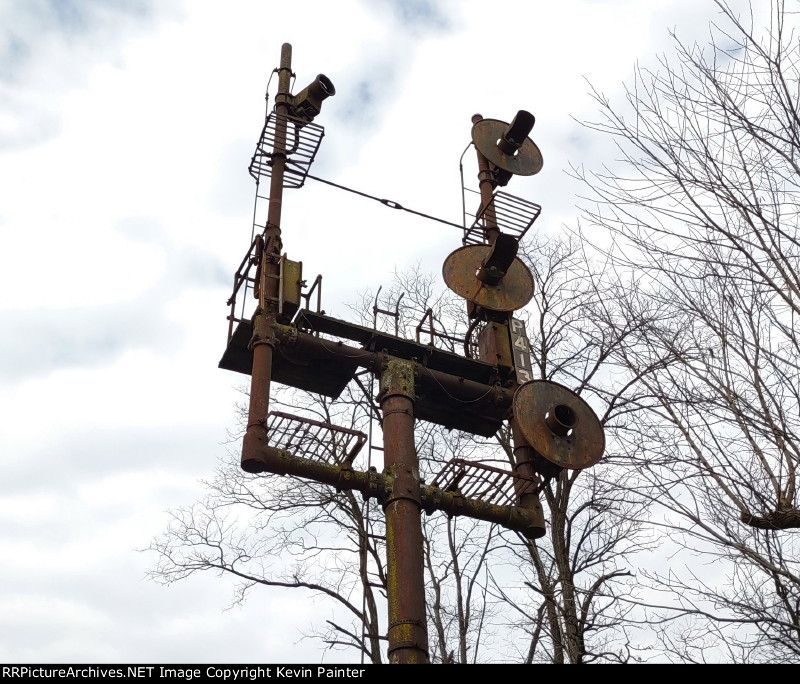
(517, 131)
(308, 102)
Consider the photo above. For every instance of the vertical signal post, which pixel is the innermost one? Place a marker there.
(268, 274)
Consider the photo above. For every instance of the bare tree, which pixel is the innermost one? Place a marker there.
(459, 606)
(579, 600)
(287, 533)
(702, 209)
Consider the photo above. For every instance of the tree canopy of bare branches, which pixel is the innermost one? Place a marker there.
(703, 209)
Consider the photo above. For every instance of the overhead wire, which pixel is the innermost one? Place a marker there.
(387, 202)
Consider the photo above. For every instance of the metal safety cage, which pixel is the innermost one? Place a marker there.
(486, 483)
(314, 439)
(511, 214)
(299, 138)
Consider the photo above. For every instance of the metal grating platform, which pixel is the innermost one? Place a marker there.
(513, 216)
(313, 439)
(484, 482)
(301, 141)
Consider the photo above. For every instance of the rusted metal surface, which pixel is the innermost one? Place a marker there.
(279, 148)
(268, 459)
(416, 381)
(486, 186)
(484, 482)
(242, 277)
(259, 404)
(290, 292)
(527, 160)
(372, 340)
(325, 366)
(559, 425)
(513, 292)
(495, 341)
(408, 631)
(300, 139)
(494, 345)
(511, 214)
(524, 456)
(496, 263)
(315, 439)
(320, 375)
(528, 521)
(443, 398)
(525, 464)
(263, 340)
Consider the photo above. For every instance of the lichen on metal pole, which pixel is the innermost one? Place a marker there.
(408, 630)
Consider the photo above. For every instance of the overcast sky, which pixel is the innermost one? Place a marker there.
(126, 129)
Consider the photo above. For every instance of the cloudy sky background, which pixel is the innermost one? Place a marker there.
(126, 129)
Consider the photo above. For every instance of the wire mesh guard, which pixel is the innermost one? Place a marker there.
(298, 138)
(484, 482)
(313, 439)
(512, 215)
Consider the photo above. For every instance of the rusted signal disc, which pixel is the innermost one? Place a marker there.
(526, 162)
(558, 424)
(513, 292)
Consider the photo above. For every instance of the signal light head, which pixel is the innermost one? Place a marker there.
(517, 131)
(308, 102)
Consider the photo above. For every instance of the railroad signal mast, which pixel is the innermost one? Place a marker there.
(286, 342)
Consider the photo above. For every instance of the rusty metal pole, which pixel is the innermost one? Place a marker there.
(524, 456)
(408, 630)
(269, 286)
(523, 452)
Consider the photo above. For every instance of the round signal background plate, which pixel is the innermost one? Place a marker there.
(513, 292)
(526, 162)
(582, 448)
